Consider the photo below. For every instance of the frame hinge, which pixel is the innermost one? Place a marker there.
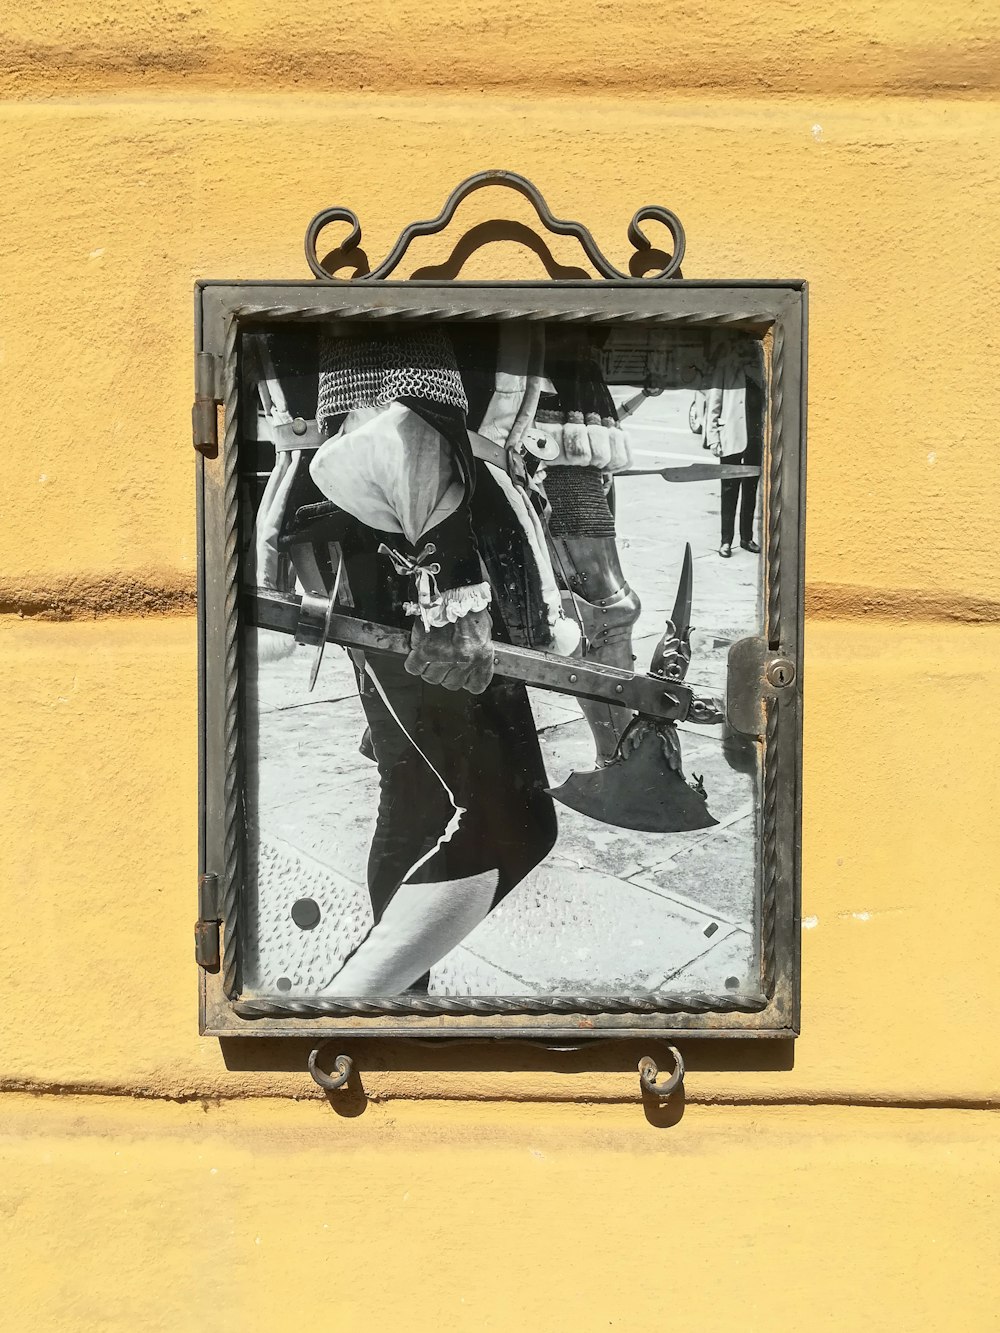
(206, 928)
(204, 417)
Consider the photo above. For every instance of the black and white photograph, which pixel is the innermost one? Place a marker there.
(491, 573)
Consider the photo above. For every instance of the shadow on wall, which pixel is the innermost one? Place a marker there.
(492, 1055)
(356, 264)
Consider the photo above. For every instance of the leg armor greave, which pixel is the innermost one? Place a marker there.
(607, 608)
(607, 627)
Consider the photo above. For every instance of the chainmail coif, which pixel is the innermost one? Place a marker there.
(374, 369)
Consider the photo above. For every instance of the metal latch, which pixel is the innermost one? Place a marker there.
(206, 928)
(204, 416)
(755, 672)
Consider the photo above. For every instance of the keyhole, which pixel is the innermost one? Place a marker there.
(780, 673)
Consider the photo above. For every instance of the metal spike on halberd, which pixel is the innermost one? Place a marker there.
(672, 655)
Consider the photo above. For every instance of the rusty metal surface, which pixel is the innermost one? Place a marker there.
(204, 411)
(744, 673)
(648, 1073)
(343, 1064)
(206, 928)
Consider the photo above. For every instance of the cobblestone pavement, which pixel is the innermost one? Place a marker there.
(609, 909)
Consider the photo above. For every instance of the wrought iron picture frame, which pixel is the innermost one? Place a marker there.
(764, 698)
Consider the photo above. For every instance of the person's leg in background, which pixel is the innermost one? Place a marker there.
(730, 500)
(585, 547)
(748, 508)
(752, 456)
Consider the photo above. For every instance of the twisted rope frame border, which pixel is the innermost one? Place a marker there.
(770, 867)
(233, 833)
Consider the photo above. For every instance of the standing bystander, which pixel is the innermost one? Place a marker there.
(735, 433)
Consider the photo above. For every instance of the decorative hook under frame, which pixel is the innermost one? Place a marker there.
(510, 179)
(343, 1064)
(648, 1072)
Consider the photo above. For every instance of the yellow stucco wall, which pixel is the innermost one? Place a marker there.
(150, 1179)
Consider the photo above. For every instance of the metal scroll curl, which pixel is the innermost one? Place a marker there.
(511, 180)
(343, 1064)
(648, 1074)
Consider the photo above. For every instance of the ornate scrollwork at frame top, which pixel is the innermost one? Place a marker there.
(511, 180)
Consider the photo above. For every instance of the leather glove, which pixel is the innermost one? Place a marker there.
(458, 656)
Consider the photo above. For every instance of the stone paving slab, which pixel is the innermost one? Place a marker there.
(717, 872)
(315, 742)
(282, 678)
(465, 972)
(728, 964)
(336, 827)
(293, 960)
(580, 931)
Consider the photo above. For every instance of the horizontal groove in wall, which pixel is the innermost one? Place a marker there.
(900, 117)
(846, 601)
(99, 597)
(56, 84)
(552, 54)
(27, 1087)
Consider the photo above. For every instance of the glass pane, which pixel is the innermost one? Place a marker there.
(584, 492)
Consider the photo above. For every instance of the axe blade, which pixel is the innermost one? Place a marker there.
(639, 791)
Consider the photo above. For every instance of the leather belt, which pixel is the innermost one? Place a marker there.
(488, 452)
